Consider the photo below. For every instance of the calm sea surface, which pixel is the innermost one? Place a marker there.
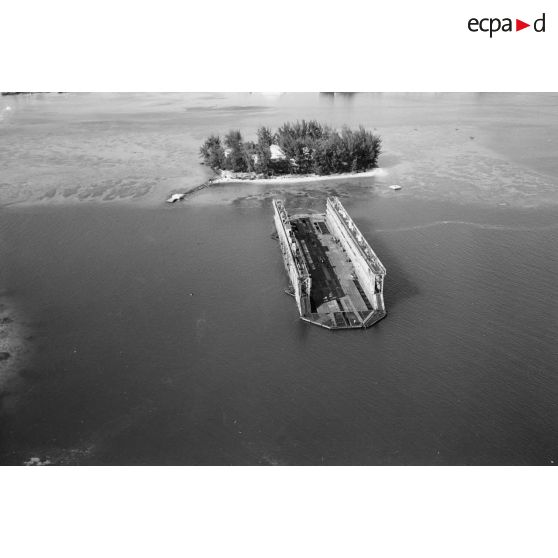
(142, 333)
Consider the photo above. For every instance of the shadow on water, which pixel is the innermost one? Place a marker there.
(302, 330)
(398, 285)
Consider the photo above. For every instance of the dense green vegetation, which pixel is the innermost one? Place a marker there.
(306, 146)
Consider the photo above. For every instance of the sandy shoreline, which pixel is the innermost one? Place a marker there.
(302, 178)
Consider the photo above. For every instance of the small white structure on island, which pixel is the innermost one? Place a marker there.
(277, 154)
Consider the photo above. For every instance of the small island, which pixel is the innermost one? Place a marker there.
(305, 148)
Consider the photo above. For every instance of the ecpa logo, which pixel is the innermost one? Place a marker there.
(494, 24)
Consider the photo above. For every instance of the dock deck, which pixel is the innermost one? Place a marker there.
(337, 298)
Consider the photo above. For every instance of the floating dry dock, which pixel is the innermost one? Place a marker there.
(337, 280)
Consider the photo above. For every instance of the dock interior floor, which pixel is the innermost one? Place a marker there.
(337, 298)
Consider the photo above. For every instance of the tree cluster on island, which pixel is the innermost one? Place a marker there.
(305, 147)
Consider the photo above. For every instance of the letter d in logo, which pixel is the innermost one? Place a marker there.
(539, 24)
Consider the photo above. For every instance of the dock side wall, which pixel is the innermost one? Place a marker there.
(368, 268)
(297, 271)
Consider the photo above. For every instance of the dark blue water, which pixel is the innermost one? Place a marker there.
(130, 368)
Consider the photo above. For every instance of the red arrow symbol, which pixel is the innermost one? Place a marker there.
(519, 25)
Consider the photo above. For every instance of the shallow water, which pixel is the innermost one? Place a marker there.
(490, 148)
(157, 334)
